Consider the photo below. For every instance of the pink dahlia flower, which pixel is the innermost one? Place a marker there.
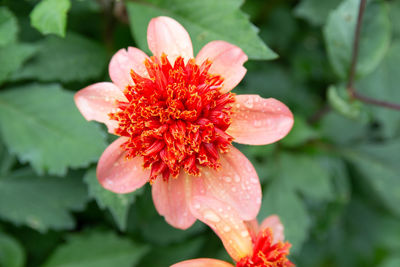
(177, 118)
(248, 243)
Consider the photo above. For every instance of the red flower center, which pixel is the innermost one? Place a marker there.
(266, 253)
(175, 118)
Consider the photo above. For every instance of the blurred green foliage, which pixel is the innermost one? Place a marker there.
(335, 179)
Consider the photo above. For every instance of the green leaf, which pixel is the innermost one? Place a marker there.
(383, 84)
(305, 174)
(97, 249)
(11, 252)
(50, 16)
(300, 133)
(394, 10)
(161, 256)
(205, 20)
(74, 58)
(8, 26)
(332, 126)
(315, 11)
(338, 172)
(391, 262)
(293, 174)
(117, 204)
(12, 57)
(159, 232)
(6, 160)
(351, 110)
(42, 126)
(272, 80)
(41, 203)
(280, 199)
(378, 164)
(339, 35)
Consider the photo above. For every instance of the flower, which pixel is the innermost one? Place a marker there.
(249, 244)
(177, 118)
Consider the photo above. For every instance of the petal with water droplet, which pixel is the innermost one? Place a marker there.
(202, 263)
(123, 62)
(227, 61)
(169, 198)
(96, 101)
(118, 174)
(226, 223)
(166, 35)
(259, 121)
(241, 190)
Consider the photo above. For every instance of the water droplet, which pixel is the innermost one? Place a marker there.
(244, 233)
(227, 228)
(233, 189)
(227, 179)
(211, 216)
(197, 206)
(257, 123)
(254, 180)
(237, 178)
(249, 103)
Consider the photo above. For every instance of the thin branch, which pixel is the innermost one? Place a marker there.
(350, 84)
(356, 45)
(375, 102)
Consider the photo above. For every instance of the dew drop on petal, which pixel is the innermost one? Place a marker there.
(227, 228)
(211, 216)
(254, 180)
(249, 103)
(257, 123)
(244, 233)
(227, 179)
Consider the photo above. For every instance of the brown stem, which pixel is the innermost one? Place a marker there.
(350, 84)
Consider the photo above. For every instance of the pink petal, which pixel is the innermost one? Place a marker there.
(170, 199)
(96, 101)
(236, 183)
(259, 121)
(118, 174)
(227, 61)
(276, 226)
(252, 227)
(202, 263)
(226, 223)
(123, 62)
(166, 35)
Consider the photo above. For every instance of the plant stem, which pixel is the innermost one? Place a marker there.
(350, 84)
